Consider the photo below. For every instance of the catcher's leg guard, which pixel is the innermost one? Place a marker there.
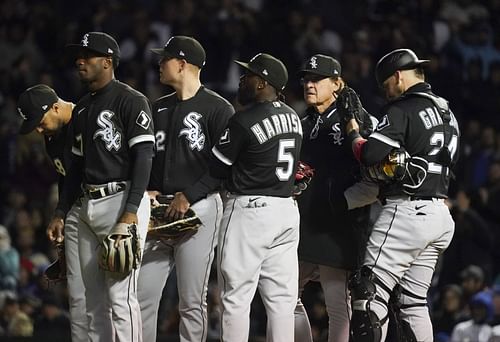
(399, 329)
(365, 325)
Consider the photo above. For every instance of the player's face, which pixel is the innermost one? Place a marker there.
(90, 66)
(169, 70)
(318, 89)
(247, 89)
(393, 87)
(50, 123)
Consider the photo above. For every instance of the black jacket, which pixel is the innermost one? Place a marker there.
(330, 234)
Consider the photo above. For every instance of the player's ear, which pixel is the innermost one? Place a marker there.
(108, 62)
(262, 84)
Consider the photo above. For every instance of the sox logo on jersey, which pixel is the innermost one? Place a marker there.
(108, 133)
(337, 134)
(193, 131)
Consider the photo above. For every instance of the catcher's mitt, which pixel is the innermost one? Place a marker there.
(127, 256)
(56, 271)
(162, 227)
(349, 106)
(303, 177)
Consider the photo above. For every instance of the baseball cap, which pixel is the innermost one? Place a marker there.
(269, 68)
(99, 42)
(32, 105)
(399, 59)
(183, 47)
(322, 65)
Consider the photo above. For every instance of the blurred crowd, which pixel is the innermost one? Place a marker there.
(461, 37)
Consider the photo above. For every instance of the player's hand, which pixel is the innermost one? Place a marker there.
(152, 197)
(178, 207)
(352, 125)
(55, 229)
(128, 218)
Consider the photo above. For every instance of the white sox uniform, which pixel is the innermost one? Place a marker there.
(36, 103)
(415, 226)
(109, 125)
(185, 132)
(57, 148)
(260, 227)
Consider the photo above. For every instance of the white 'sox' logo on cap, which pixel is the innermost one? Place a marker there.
(85, 39)
(314, 63)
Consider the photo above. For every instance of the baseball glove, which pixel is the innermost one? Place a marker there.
(56, 271)
(392, 168)
(162, 227)
(303, 177)
(349, 106)
(127, 256)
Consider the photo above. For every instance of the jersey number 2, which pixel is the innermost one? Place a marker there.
(285, 156)
(437, 140)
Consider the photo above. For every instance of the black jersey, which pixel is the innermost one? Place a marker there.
(58, 148)
(108, 123)
(415, 123)
(185, 133)
(262, 146)
(329, 233)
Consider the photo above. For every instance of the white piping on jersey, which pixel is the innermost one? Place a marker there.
(141, 138)
(76, 151)
(81, 110)
(221, 157)
(333, 111)
(385, 140)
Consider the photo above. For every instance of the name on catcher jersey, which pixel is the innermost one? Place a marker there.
(262, 146)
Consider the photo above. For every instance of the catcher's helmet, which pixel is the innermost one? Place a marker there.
(400, 59)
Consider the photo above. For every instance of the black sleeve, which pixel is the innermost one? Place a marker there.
(218, 169)
(374, 151)
(142, 159)
(203, 186)
(71, 189)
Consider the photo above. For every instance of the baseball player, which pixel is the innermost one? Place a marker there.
(331, 236)
(187, 124)
(44, 112)
(412, 150)
(111, 156)
(257, 154)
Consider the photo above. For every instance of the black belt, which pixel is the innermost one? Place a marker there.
(410, 198)
(106, 190)
(422, 198)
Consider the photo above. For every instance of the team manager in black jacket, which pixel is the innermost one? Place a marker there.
(331, 236)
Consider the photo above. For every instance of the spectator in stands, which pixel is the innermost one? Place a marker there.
(477, 328)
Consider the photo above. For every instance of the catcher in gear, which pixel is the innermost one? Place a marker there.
(415, 226)
(163, 227)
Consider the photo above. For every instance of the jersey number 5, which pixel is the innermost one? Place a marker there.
(285, 156)
(436, 141)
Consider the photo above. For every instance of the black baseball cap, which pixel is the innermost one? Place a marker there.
(99, 42)
(269, 68)
(183, 47)
(399, 59)
(32, 105)
(321, 65)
